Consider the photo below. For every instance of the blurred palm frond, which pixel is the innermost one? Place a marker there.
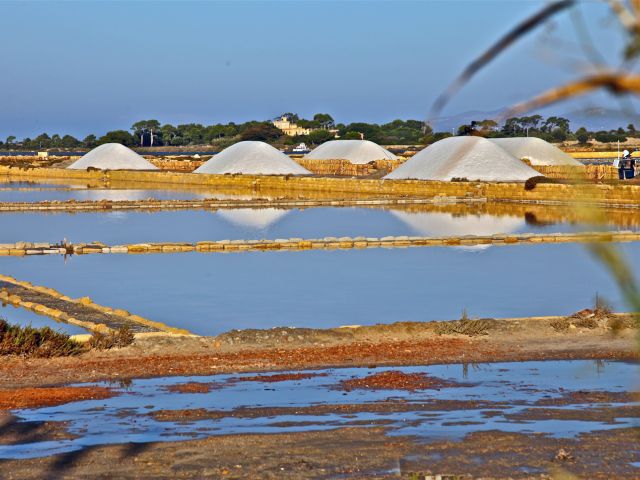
(496, 49)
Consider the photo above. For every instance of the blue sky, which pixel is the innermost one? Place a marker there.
(85, 67)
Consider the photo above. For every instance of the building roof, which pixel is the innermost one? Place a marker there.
(355, 151)
(536, 150)
(471, 158)
(112, 156)
(252, 158)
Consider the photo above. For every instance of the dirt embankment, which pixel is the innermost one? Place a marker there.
(302, 348)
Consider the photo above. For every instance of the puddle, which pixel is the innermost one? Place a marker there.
(118, 227)
(213, 293)
(25, 317)
(136, 414)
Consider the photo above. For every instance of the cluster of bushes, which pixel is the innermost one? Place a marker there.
(35, 342)
(45, 342)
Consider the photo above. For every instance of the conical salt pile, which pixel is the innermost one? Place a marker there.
(355, 151)
(112, 156)
(252, 158)
(536, 151)
(470, 158)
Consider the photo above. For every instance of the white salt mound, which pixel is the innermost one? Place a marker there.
(112, 156)
(472, 158)
(536, 150)
(355, 151)
(252, 158)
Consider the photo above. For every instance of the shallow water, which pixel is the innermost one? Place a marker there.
(17, 190)
(25, 317)
(119, 227)
(212, 293)
(79, 194)
(517, 386)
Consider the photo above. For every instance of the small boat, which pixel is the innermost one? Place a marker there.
(301, 149)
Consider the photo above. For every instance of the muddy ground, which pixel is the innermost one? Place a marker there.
(347, 453)
(585, 336)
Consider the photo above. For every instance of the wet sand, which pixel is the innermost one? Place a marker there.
(355, 453)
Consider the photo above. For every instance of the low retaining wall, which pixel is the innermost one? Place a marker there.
(588, 172)
(346, 168)
(318, 167)
(181, 165)
(213, 204)
(327, 243)
(51, 303)
(591, 194)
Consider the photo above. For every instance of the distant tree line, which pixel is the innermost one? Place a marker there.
(147, 133)
(552, 129)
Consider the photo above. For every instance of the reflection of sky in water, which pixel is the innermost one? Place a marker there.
(216, 292)
(25, 317)
(126, 418)
(119, 227)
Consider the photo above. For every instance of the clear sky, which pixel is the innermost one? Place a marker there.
(88, 67)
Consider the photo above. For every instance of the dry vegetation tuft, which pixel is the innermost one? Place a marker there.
(35, 342)
(120, 338)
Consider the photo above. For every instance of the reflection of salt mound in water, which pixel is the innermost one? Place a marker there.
(536, 151)
(355, 151)
(436, 224)
(472, 158)
(255, 218)
(112, 156)
(115, 195)
(251, 158)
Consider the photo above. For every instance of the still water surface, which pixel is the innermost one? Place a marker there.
(213, 293)
(515, 387)
(119, 227)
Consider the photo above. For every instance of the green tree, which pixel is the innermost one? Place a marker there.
(168, 133)
(370, 131)
(293, 117)
(351, 135)
(69, 141)
(553, 123)
(41, 141)
(11, 139)
(317, 137)
(263, 132)
(145, 127)
(324, 119)
(90, 141)
(582, 135)
(117, 136)
(470, 129)
(488, 125)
